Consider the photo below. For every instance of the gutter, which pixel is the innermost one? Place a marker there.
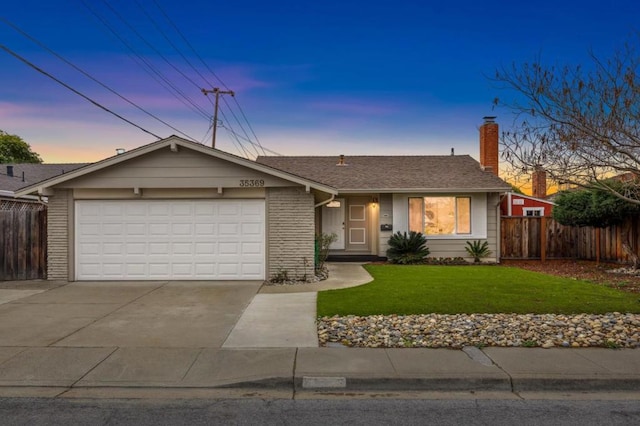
(12, 194)
(322, 203)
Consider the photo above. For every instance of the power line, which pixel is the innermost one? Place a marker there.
(238, 121)
(249, 124)
(40, 70)
(42, 45)
(202, 61)
(151, 46)
(166, 37)
(150, 69)
(175, 27)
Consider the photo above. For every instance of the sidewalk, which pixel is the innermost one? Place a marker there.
(52, 371)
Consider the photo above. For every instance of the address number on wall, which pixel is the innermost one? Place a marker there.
(251, 183)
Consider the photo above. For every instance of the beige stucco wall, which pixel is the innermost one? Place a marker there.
(290, 232)
(59, 213)
(183, 169)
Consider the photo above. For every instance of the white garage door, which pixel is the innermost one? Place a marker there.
(180, 239)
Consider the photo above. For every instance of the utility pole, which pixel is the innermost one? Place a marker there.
(217, 92)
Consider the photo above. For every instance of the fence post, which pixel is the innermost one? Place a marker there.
(597, 246)
(543, 238)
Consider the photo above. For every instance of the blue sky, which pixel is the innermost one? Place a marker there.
(313, 78)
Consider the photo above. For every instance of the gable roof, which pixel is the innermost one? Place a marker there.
(173, 142)
(25, 174)
(528, 197)
(458, 173)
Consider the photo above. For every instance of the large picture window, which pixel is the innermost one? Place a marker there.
(440, 215)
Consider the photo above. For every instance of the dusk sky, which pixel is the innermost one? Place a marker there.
(312, 78)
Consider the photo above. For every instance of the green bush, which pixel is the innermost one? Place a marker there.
(406, 248)
(478, 249)
(323, 242)
(592, 207)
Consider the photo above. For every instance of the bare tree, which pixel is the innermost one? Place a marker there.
(580, 124)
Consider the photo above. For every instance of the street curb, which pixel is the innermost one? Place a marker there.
(412, 384)
(545, 384)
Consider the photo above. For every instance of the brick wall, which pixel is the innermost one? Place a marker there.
(290, 232)
(58, 236)
(489, 146)
(539, 183)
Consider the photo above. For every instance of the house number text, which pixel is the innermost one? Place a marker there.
(250, 183)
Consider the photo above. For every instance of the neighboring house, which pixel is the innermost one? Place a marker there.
(19, 175)
(537, 205)
(175, 209)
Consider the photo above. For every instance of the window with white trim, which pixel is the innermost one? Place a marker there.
(533, 211)
(440, 215)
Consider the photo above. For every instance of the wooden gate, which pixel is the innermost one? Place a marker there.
(23, 244)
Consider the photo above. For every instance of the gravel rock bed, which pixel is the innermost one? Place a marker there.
(613, 330)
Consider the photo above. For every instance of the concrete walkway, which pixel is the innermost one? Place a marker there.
(284, 316)
(341, 275)
(277, 321)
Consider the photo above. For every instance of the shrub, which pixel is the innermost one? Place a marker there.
(323, 241)
(406, 248)
(592, 207)
(478, 249)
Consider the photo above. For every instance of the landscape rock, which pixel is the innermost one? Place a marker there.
(612, 330)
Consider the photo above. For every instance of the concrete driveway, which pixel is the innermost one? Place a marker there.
(175, 314)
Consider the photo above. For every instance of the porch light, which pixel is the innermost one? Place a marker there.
(334, 204)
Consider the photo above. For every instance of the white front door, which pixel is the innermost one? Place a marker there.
(333, 221)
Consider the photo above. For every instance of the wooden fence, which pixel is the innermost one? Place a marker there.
(23, 244)
(544, 238)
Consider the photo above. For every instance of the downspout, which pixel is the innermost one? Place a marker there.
(499, 227)
(322, 203)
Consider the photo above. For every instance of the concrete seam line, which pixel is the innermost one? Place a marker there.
(386, 353)
(501, 369)
(94, 367)
(195, 358)
(293, 373)
(475, 354)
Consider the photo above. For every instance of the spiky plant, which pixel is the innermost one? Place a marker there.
(478, 249)
(408, 248)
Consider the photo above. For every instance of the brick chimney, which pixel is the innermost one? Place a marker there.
(539, 183)
(489, 145)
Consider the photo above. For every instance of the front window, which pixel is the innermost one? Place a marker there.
(440, 215)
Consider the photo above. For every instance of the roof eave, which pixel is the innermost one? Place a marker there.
(422, 190)
(40, 187)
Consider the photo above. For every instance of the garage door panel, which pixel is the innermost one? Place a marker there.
(185, 239)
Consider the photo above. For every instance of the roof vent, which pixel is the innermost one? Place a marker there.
(120, 151)
(341, 161)
(10, 171)
(452, 152)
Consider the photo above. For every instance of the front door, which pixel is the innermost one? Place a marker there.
(358, 224)
(333, 221)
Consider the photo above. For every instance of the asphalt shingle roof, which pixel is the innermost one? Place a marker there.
(447, 172)
(33, 173)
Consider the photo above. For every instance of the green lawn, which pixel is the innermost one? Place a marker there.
(424, 289)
